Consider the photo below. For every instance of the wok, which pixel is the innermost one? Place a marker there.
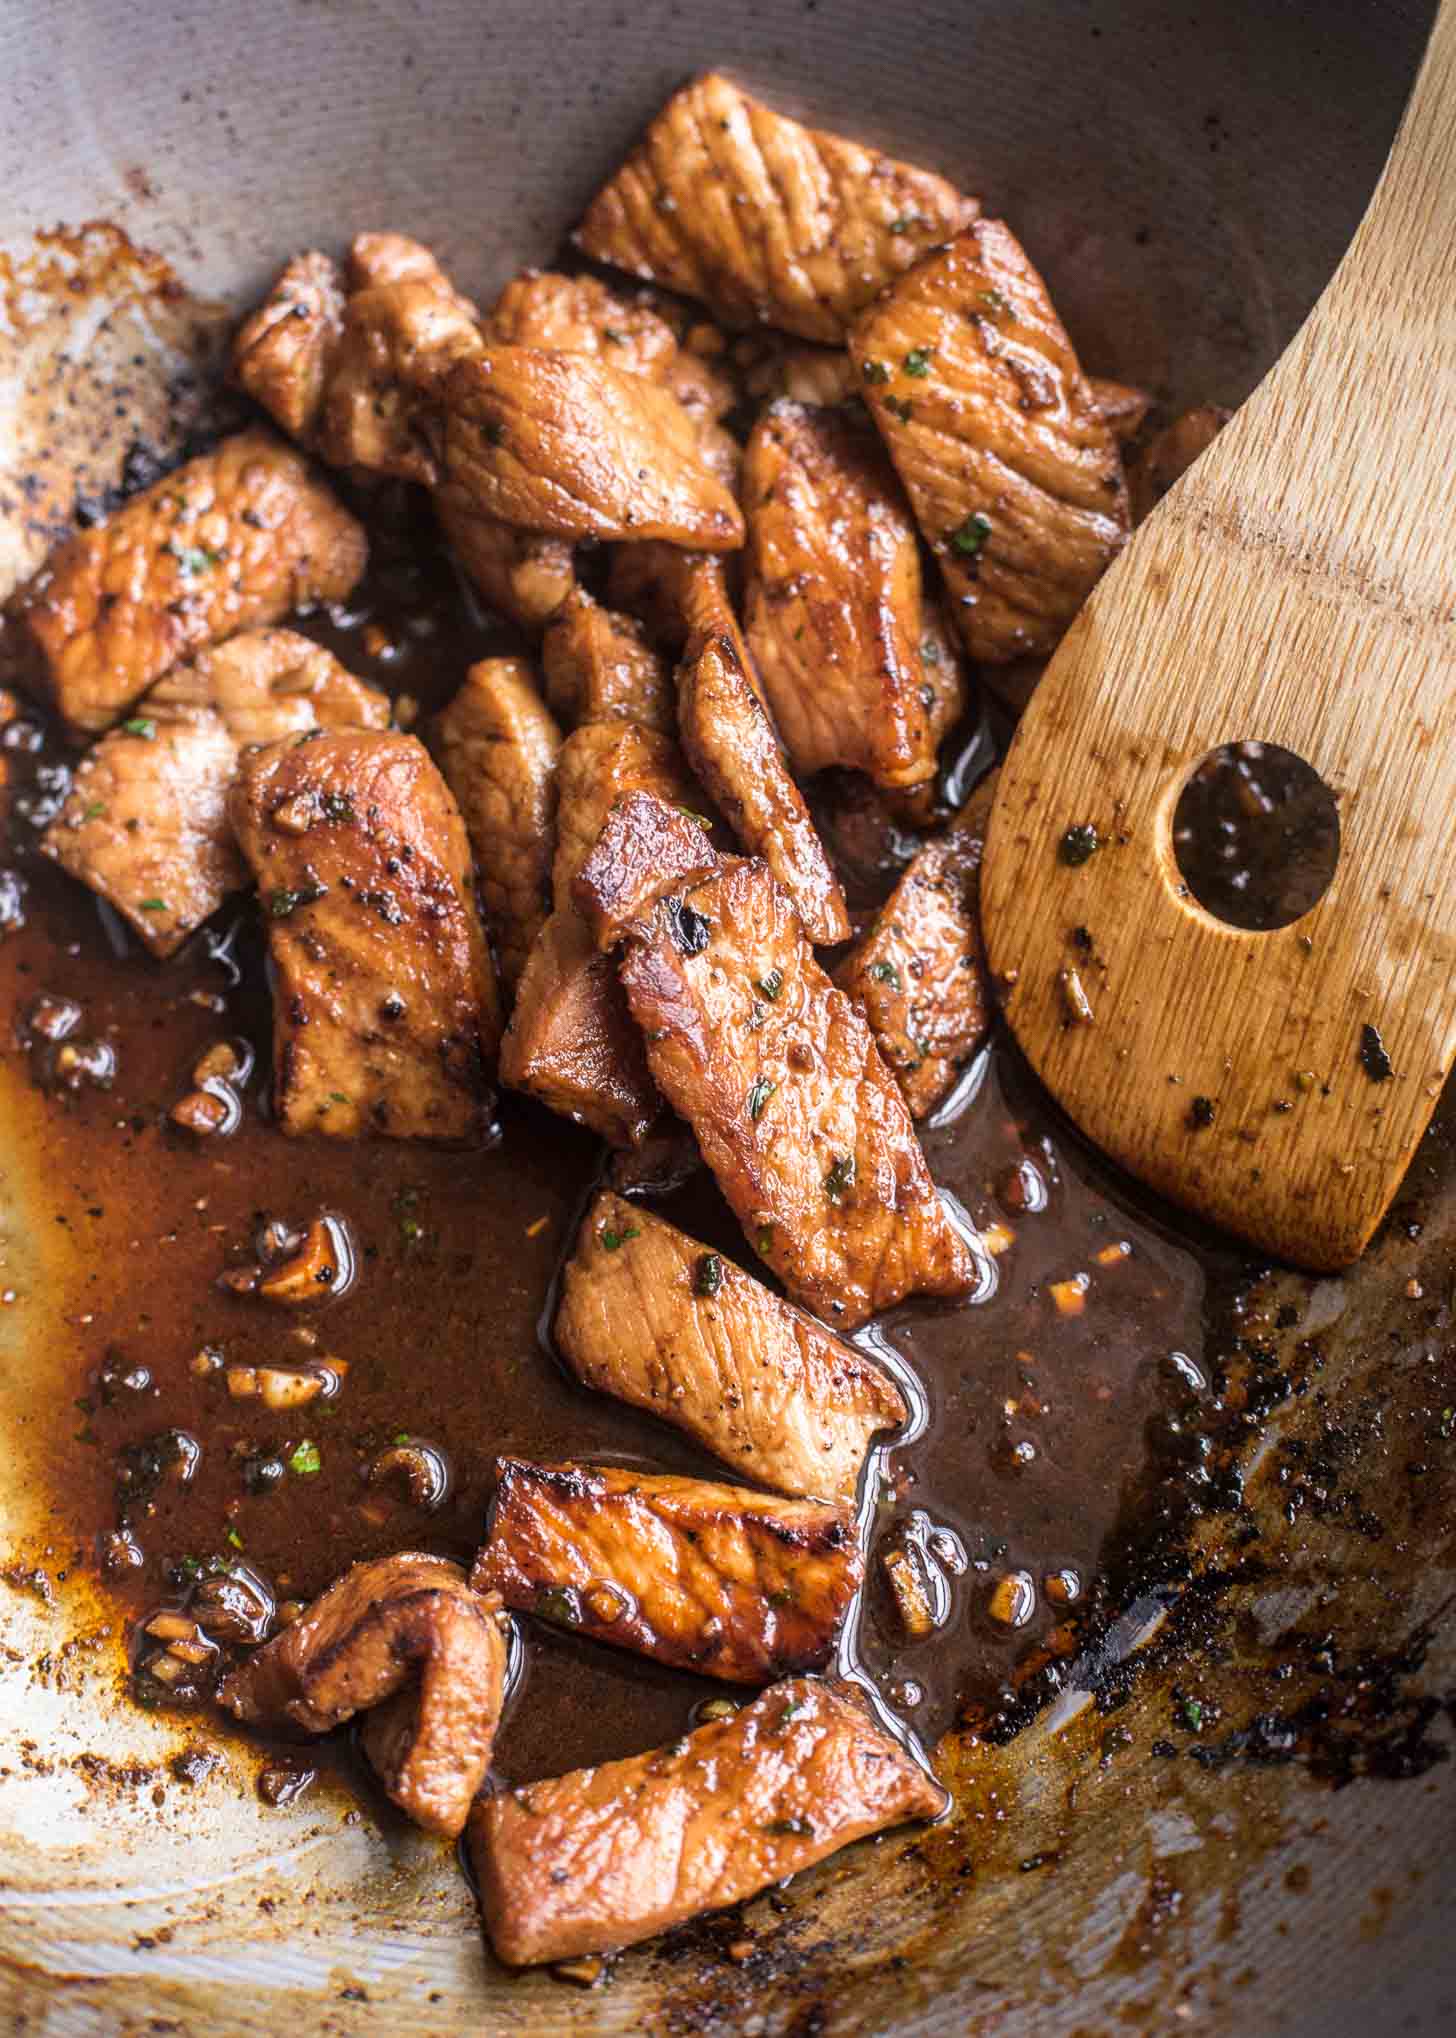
(1187, 180)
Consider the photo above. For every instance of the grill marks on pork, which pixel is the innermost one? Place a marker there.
(566, 444)
(230, 541)
(731, 746)
(385, 1003)
(767, 221)
(601, 1858)
(796, 1114)
(285, 352)
(919, 974)
(599, 667)
(145, 824)
(653, 1317)
(835, 606)
(498, 750)
(1011, 468)
(734, 1584)
(406, 1635)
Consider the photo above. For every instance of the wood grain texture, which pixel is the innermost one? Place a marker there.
(1298, 587)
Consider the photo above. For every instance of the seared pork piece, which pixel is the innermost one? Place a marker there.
(385, 1000)
(834, 606)
(946, 687)
(645, 846)
(285, 352)
(652, 1316)
(919, 974)
(795, 1112)
(666, 1158)
(498, 750)
(145, 824)
(398, 345)
(1123, 404)
(520, 574)
(733, 1584)
(564, 443)
(571, 1041)
(601, 1858)
(817, 375)
(600, 765)
(730, 744)
(408, 1635)
(231, 541)
(599, 667)
(768, 222)
(1171, 452)
(1012, 470)
(580, 315)
(376, 259)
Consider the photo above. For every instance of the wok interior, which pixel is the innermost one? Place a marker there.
(1187, 185)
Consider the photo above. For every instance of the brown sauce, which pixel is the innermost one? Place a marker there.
(1031, 1432)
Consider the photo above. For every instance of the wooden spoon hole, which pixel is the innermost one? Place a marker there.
(1256, 835)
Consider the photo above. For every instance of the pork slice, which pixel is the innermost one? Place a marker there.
(1171, 452)
(602, 1858)
(385, 1001)
(655, 1318)
(522, 575)
(734, 1584)
(409, 1636)
(566, 444)
(601, 764)
(645, 847)
(765, 221)
(919, 973)
(1011, 467)
(145, 823)
(398, 344)
(285, 351)
(1123, 404)
(834, 603)
(731, 746)
(498, 750)
(599, 667)
(571, 1042)
(582, 315)
(795, 1112)
(231, 541)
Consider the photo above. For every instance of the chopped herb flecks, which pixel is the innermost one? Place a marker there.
(969, 537)
(1373, 1057)
(886, 973)
(305, 1460)
(613, 1240)
(708, 1275)
(140, 725)
(1079, 843)
(840, 1178)
(771, 985)
(759, 1095)
(876, 371)
(917, 361)
(281, 903)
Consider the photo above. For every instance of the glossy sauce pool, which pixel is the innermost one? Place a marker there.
(1032, 1403)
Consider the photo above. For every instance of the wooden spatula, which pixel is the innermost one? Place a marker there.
(1298, 587)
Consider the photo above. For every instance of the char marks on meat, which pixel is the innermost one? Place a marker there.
(766, 221)
(232, 541)
(835, 606)
(794, 1110)
(919, 974)
(656, 1318)
(734, 1584)
(145, 823)
(498, 750)
(385, 1005)
(601, 1858)
(407, 1635)
(566, 444)
(1011, 468)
